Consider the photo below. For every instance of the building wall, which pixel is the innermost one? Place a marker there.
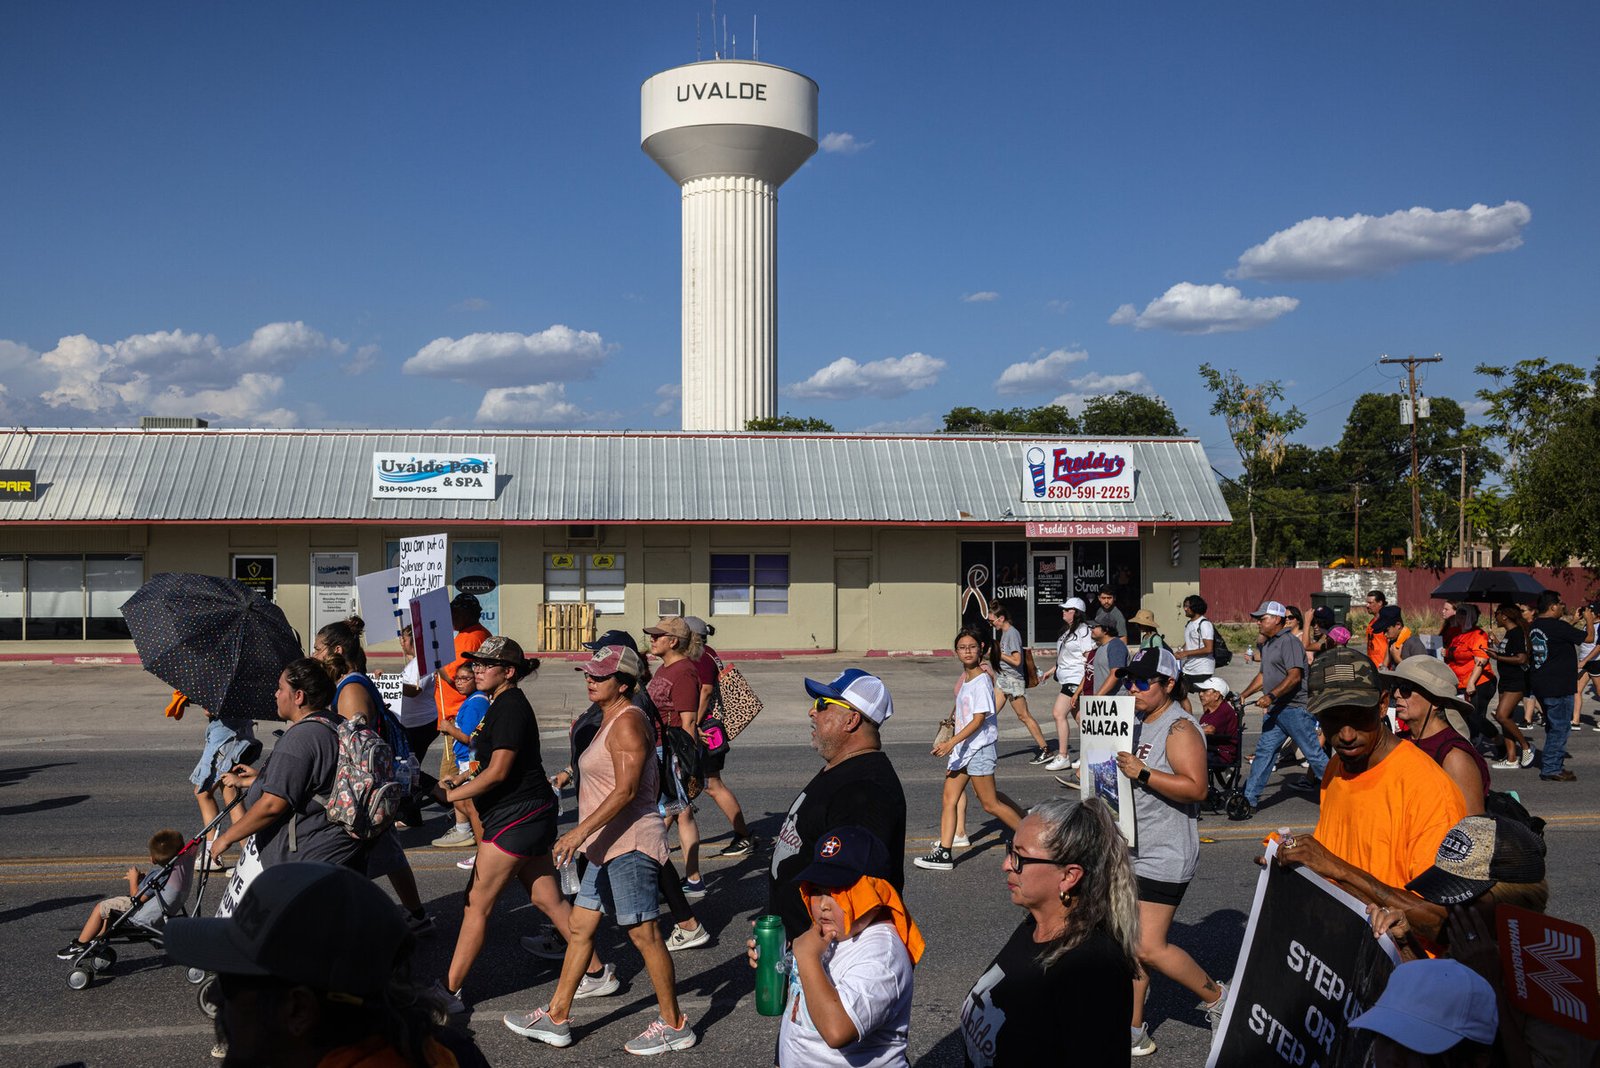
(851, 587)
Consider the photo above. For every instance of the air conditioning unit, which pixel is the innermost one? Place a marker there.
(669, 606)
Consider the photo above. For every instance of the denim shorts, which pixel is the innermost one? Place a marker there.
(225, 741)
(980, 761)
(623, 888)
(1011, 685)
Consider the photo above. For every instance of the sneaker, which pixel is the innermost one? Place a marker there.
(1041, 757)
(1506, 765)
(1214, 1009)
(694, 889)
(1560, 776)
(1061, 762)
(456, 837)
(468, 862)
(1075, 764)
(659, 1037)
(71, 949)
(960, 841)
(1071, 784)
(684, 938)
(219, 1051)
(1143, 1044)
(419, 923)
(938, 859)
(739, 847)
(548, 946)
(598, 986)
(1525, 758)
(450, 1003)
(537, 1024)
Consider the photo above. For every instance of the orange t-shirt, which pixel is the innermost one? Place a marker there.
(446, 696)
(1389, 820)
(1462, 651)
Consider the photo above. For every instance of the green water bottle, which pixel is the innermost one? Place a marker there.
(772, 971)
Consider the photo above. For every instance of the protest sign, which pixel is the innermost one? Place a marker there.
(422, 565)
(435, 638)
(388, 684)
(1309, 965)
(378, 598)
(1107, 729)
(1549, 969)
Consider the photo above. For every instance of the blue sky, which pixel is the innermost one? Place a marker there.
(261, 213)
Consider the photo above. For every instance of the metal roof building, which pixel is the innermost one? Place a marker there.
(813, 541)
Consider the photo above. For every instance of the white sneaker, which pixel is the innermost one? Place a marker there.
(1505, 765)
(684, 938)
(1061, 763)
(960, 841)
(598, 986)
(468, 863)
(1214, 1009)
(1075, 764)
(1142, 1044)
(456, 837)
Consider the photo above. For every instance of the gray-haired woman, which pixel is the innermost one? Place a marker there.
(1068, 967)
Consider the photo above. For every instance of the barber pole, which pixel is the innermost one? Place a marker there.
(1177, 549)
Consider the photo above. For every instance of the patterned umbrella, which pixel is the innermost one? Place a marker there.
(215, 639)
(1484, 585)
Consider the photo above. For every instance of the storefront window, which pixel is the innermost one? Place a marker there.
(12, 601)
(111, 580)
(745, 584)
(599, 578)
(55, 598)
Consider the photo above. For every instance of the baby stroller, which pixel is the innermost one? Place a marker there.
(1225, 779)
(160, 898)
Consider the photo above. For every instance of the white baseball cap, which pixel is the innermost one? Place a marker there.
(1214, 683)
(1074, 602)
(1270, 608)
(862, 691)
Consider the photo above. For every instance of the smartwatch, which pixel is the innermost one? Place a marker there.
(1144, 776)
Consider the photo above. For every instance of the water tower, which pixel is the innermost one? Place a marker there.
(729, 132)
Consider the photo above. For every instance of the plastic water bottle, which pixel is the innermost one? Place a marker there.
(569, 876)
(772, 972)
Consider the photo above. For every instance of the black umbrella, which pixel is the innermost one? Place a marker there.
(217, 640)
(1483, 585)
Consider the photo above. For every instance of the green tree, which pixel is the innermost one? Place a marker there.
(1489, 517)
(1052, 419)
(1529, 398)
(1558, 510)
(1376, 452)
(1257, 427)
(1125, 414)
(788, 423)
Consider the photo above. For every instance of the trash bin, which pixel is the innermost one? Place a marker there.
(1338, 603)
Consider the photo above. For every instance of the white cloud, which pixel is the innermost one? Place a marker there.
(1047, 372)
(891, 376)
(913, 424)
(671, 397)
(557, 354)
(364, 360)
(1323, 248)
(1096, 384)
(167, 372)
(1058, 305)
(471, 304)
(983, 296)
(844, 144)
(1215, 309)
(544, 405)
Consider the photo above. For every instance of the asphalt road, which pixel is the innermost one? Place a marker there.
(79, 801)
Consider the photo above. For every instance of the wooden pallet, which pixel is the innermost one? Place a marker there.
(563, 628)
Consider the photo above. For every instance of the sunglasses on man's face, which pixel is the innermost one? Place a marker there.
(823, 702)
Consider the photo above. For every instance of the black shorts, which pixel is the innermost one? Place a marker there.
(1593, 667)
(1160, 893)
(530, 835)
(1070, 688)
(711, 764)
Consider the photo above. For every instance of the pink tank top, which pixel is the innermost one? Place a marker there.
(639, 825)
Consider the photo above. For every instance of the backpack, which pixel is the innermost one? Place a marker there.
(1219, 647)
(368, 783)
(677, 760)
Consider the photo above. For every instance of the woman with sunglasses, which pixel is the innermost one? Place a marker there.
(1423, 688)
(1168, 769)
(1066, 973)
(516, 810)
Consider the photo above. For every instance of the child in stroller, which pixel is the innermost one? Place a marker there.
(139, 915)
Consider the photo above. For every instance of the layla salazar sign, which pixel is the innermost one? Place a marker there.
(439, 475)
(1077, 471)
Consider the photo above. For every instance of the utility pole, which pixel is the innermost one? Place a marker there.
(1461, 513)
(1410, 363)
(1355, 488)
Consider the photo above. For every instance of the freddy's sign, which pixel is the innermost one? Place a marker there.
(1077, 471)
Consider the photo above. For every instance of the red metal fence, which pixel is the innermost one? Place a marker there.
(1232, 593)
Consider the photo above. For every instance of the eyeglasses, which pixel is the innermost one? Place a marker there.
(823, 702)
(1016, 861)
(481, 665)
(1138, 685)
(601, 678)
